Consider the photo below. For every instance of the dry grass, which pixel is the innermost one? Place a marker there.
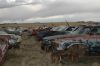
(30, 54)
(34, 25)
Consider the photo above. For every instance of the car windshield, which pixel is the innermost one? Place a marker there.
(62, 28)
(70, 28)
(80, 31)
(95, 31)
(55, 28)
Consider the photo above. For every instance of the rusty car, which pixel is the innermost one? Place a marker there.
(77, 46)
(3, 51)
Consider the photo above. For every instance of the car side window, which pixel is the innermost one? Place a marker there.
(94, 30)
(97, 31)
(84, 31)
(69, 29)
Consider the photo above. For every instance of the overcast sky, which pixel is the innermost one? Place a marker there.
(49, 10)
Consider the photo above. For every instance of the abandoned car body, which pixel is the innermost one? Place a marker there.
(46, 40)
(16, 31)
(58, 31)
(85, 45)
(92, 32)
(3, 51)
(13, 40)
(76, 47)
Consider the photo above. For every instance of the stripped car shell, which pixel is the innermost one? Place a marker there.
(82, 34)
(50, 38)
(13, 40)
(56, 31)
(3, 51)
(16, 31)
(89, 45)
(91, 41)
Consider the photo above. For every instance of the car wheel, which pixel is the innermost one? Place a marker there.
(76, 51)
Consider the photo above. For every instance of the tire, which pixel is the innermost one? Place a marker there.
(76, 52)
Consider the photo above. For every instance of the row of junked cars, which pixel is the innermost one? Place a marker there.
(9, 38)
(72, 42)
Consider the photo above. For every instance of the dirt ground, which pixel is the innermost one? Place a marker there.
(30, 54)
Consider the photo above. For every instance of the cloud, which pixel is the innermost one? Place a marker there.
(14, 3)
(20, 12)
(49, 10)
